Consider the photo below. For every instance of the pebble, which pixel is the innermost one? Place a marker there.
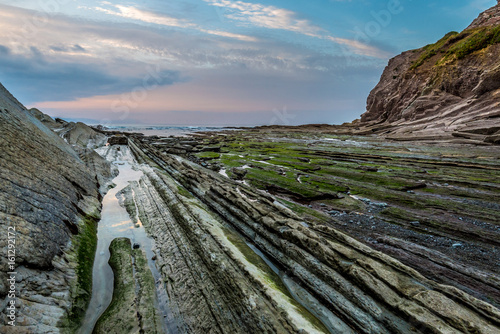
(136, 246)
(456, 245)
(415, 223)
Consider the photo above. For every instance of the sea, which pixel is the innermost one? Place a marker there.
(167, 130)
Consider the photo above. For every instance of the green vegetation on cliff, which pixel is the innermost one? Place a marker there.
(431, 50)
(456, 45)
(473, 40)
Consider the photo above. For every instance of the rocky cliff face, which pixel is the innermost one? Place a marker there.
(50, 195)
(450, 88)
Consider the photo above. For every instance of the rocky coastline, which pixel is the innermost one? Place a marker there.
(262, 230)
(388, 224)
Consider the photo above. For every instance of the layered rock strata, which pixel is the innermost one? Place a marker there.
(215, 283)
(367, 291)
(51, 198)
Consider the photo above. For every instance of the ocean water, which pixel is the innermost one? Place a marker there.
(166, 130)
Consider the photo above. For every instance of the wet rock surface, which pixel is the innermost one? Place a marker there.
(132, 309)
(208, 287)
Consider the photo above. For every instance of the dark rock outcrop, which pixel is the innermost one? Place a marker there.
(118, 140)
(450, 87)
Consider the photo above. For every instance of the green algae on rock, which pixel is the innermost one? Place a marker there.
(132, 309)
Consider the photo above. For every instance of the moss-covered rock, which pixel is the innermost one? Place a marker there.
(132, 309)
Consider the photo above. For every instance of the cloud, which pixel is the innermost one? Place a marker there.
(229, 34)
(164, 20)
(136, 45)
(272, 17)
(37, 79)
(145, 16)
(266, 16)
(71, 48)
(360, 48)
(75, 67)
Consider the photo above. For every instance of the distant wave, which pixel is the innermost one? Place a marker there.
(165, 130)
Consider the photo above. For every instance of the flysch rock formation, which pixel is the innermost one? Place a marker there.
(50, 194)
(232, 259)
(450, 89)
(215, 281)
(198, 218)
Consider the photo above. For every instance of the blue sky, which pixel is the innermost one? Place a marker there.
(217, 62)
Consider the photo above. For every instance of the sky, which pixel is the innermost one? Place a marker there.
(212, 62)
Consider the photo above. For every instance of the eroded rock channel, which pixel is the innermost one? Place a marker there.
(209, 278)
(116, 223)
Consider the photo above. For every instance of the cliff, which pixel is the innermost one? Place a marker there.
(50, 195)
(447, 89)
